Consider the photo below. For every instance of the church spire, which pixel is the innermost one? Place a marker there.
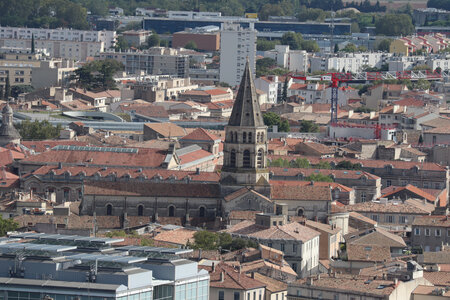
(246, 110)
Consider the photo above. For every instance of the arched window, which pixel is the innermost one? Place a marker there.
(244, 137)
(262, 137)
(300, 212)
(233, 158)
(260, 159)
(171, 211)
(231, 136)
(140, 210)
(246, 159)
(258, 137)
(250, 137)
(109, 210)
(202, 212)
(235, 137)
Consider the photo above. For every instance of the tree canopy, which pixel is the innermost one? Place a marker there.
(207, 240)
(38, 130)
(7, 225)
(271, 119)
(98, 75)
(394, 25)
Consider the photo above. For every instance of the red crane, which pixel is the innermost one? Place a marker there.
(337, 78)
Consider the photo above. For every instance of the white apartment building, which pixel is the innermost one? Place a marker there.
(173, 14)
(75, 50)
(350, 62)
(61, 34)
(236, 45)
(294, 60)
(154, 61)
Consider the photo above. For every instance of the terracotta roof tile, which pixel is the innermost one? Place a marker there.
(434, 221)
(375, 236)
(390, 207)
(341, 174)
(167, 129)
(375, 253)
(272, 285)
(42, 146)
(412, 189)
(303, 190)
(438, 278)
(232, 278)
(200, 134)
(178, 236)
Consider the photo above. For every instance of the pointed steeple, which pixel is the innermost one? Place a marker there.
(246, 110)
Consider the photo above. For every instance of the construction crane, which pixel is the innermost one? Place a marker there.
(364, 77)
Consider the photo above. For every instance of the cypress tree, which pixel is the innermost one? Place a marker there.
(32, 44)
(7, 88)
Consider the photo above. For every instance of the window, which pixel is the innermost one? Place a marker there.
(375, 218)
(294, 267)
(282, 247)
(109, 210)
(249, 137)
(402, 219)
(294, 248)
(427, 232)
(246, 159)
(388, 183)
(140, 210)
(171, 211)
(201, 212)
(244, 137)
(221, 295)
(269, 245)
(259, 159)
(417, 231)
(448, 232)
(233, 158)
(254, 295)
(389, 219)
(363, 196)
(438, 232)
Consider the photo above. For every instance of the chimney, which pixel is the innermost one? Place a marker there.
(253, 275)
(222, 276)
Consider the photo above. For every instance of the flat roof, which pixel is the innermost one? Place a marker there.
(12, 247)
(147, 249)
(66, 238)
(84, 257)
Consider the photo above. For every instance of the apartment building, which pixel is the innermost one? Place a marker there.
(348, 62)
(108, 38)
(154, 61)
(237, 45)
(430, 232)
(410, 44)
(293, 60)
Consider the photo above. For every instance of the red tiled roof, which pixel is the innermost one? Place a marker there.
(411, 188)
(143, 158)
(200, 134)
(42, 146)
(435, 221)
(347, 174)
(133, 172)
(232, 278)
(215, 92)
(194, 190)
(193, 156)
(410, 102)
(303, 190)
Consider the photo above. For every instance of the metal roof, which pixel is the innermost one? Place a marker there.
(107, 258)
(147, 249)
(13, 247)
(66, 238)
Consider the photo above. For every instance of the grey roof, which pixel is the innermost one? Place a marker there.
(246, 110)
(66, 238)
(147, 249)
(14, 247)
(86, 257)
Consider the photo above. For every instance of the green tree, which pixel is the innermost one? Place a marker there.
(32, 44)
(319, 177)
(438, 70)
(7, 225)
(284, 126)
(285, 89)
(38, 130)
(300, 163)
(121, 44)
(16, 90)
(422, 68)
(308, 126)
(271, 118)
(191, 45)
(205, 240)
(291, 39)
(355, 27)
(350, 48)
(224, 240)
(98, 75)
(153, 40)
(323, 165)
(422, 85)
(384, 45)
(394, 25)
(265, 45)
(7, 88)
(347, 165)
(279, 162)
(336, 48)
(420, 140)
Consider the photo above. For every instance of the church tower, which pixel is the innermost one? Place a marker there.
(245, 147)
(8, 134)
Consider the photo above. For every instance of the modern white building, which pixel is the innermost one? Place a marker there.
(74, 50)
(348, 62)
(61, 34)
(236, 45)
(294, 60)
